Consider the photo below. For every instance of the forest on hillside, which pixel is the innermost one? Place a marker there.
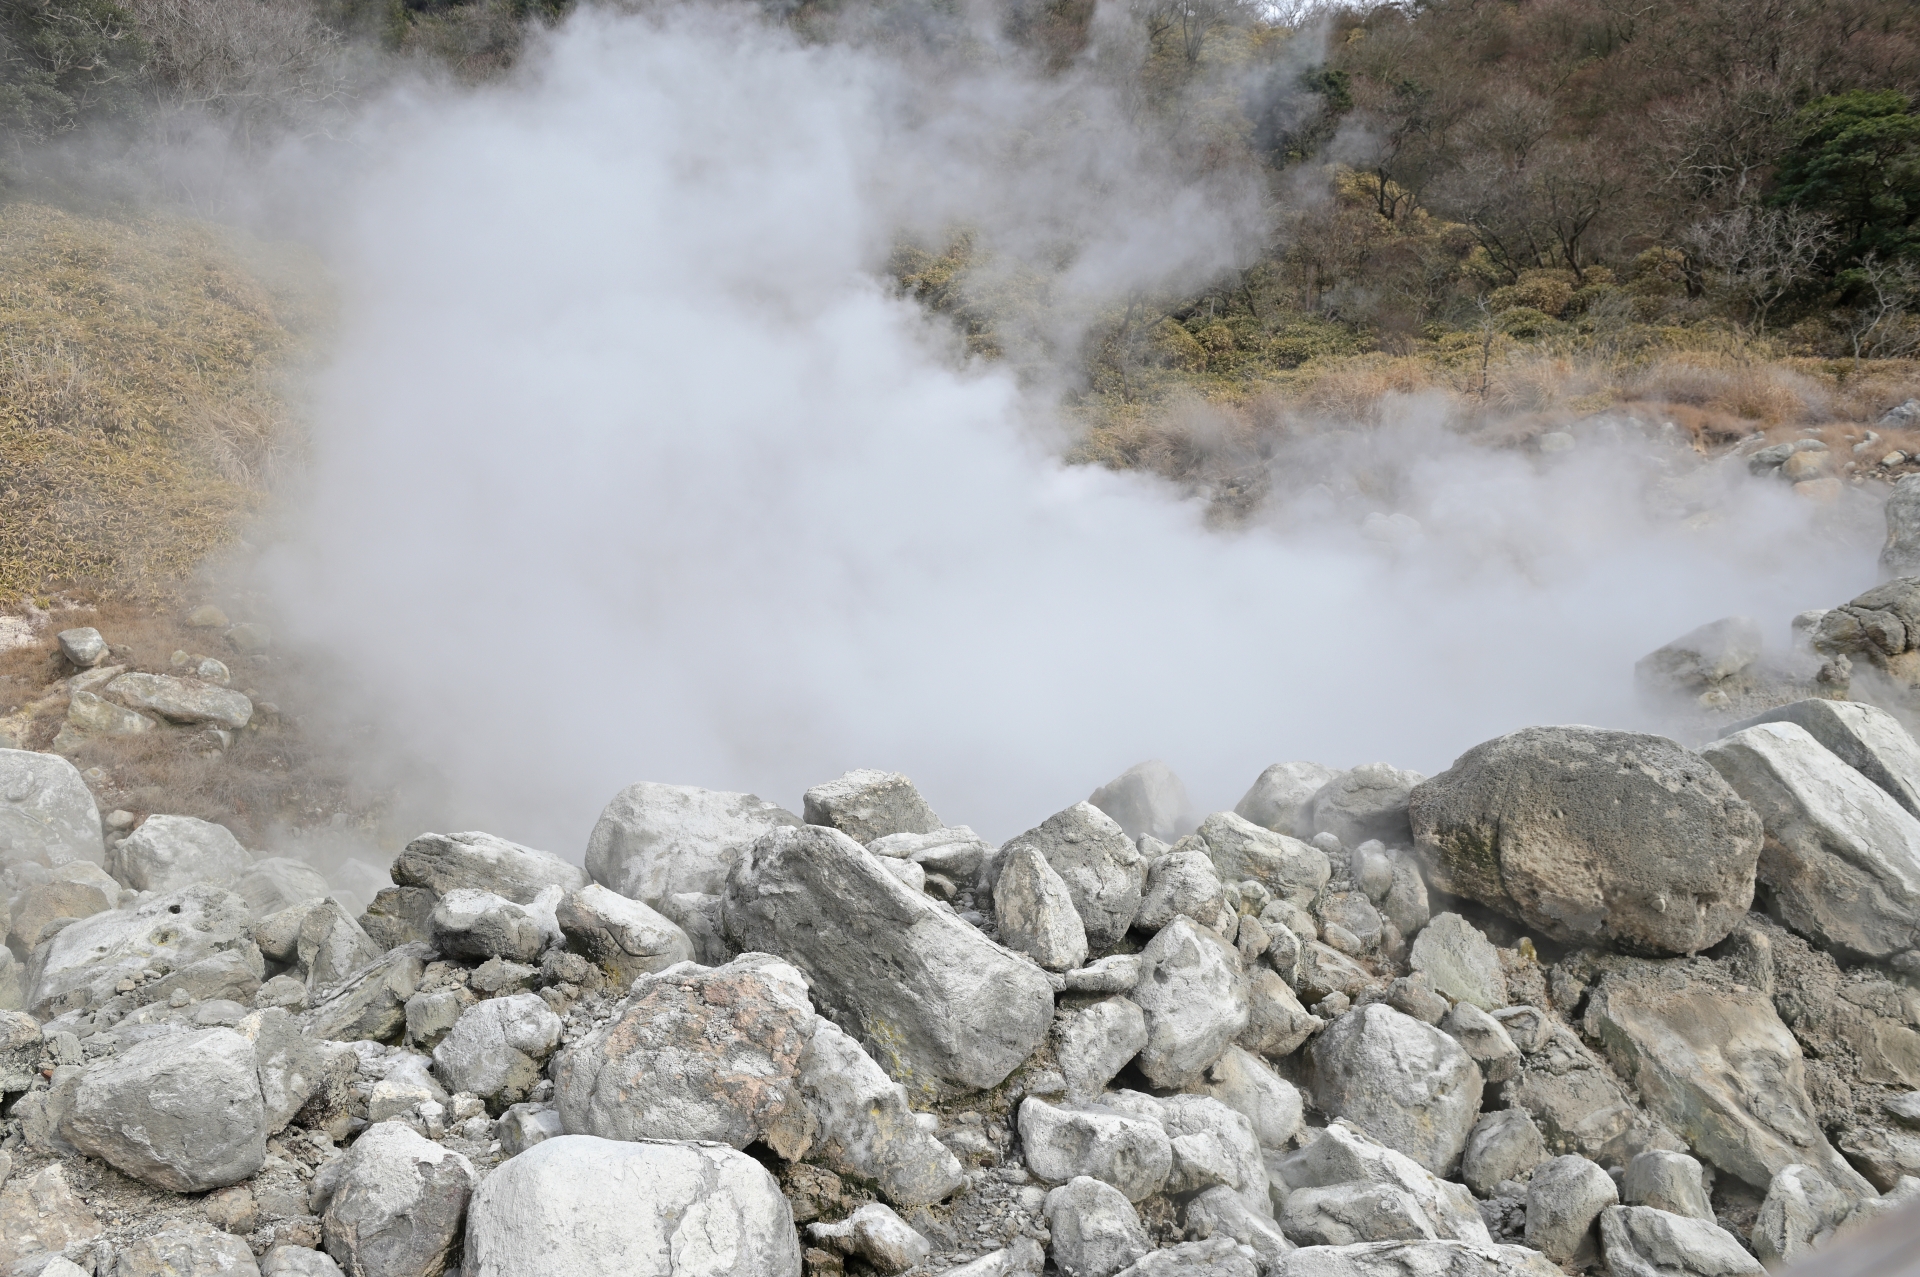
(1457, 193)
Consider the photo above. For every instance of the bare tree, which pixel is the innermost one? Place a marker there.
(261, 67)
(1757, 256)
(1882, 326)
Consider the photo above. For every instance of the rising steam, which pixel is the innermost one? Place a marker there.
(629, 466)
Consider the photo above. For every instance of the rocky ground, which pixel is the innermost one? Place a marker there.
(1587, 999)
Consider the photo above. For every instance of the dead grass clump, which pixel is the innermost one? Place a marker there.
(1768, 393)
(1352, 389)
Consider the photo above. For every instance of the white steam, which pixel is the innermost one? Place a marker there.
(629, 467)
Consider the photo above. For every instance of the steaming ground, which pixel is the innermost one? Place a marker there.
(628, 467)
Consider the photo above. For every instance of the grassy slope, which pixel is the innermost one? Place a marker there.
(140, 414)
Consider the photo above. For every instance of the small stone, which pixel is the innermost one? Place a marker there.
(1035, 911)
(1484, 1039)
(1504, 1145)
(1132, 1154)
(1564, 1201)
(1460, 961)
(83, 646)
(249, 638)
(1668, 1181)
(1417, 999)
(1096, 1231)
(1094, 1044)
(1641, 1241)
(877, 1235)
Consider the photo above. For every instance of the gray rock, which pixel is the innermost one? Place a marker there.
(1194, 998)
(1214, 1145)
(1412, 995)
(869, 804)
(88, 715)
(1864, 737)
(1642, 1241)
(623, 935)
(1146, 799)
(1024, 1258)
(400, 915)
(1702, 658)
(290, 1067)
(1095, 1230)
(1277, 1025)
(1593, 837)
(948, 1010)
(1369, 802)
(79, 889)
(185, 1252)
(331, 947)
(1842, 857)
(276, 883)
(1564, 1201)
(1133, 1154)
(1341, 1168)
(1350, 916)
(1095, 1043)
(1242, 1082)
(1034, 911)
(181, 700)
(1484, 1040)
(1220, 1212)
(1104, 872)
(1667, 1181)
(1285, 866)
(1801, 1210)
(1116, 973)
(475, 924)
(1182, 882)
(170, 852)
(1900, 556)
(655, 841)
(1407, 1083)
(398, 1208)
(1460, 961)
(958, 853)
(1580, 1104)
(1324, 971)
(702, 918)
(47, 814)
(41, 1213)
(1426, 1259)
(874, 1233)
(83, 646)
(286, 1260)
(865, 1126)
(181, 1112)
(496, 1047)
(1904, 1109)
(696, 1053)
(1713, 1060)
(1504, 1145)
(372, 1006)
(481, 862)
(1280, 792)
(524, 1125)
(177, 932)
(1215, 1257)
(582, 1205)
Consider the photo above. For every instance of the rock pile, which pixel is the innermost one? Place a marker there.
(1511, 1020)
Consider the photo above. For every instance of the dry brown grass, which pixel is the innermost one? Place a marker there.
(141, 415)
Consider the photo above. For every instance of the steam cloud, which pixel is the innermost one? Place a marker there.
(629, 467)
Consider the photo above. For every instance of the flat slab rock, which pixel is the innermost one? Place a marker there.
(444, 862)
(1418, 1259)
(946, 1009)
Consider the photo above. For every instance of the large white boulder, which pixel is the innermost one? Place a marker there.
(948, 1010)
(170, 852)
(1841, 856)
(654, 841)
(182, 1112)
(576, 1204)
(47, 813)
